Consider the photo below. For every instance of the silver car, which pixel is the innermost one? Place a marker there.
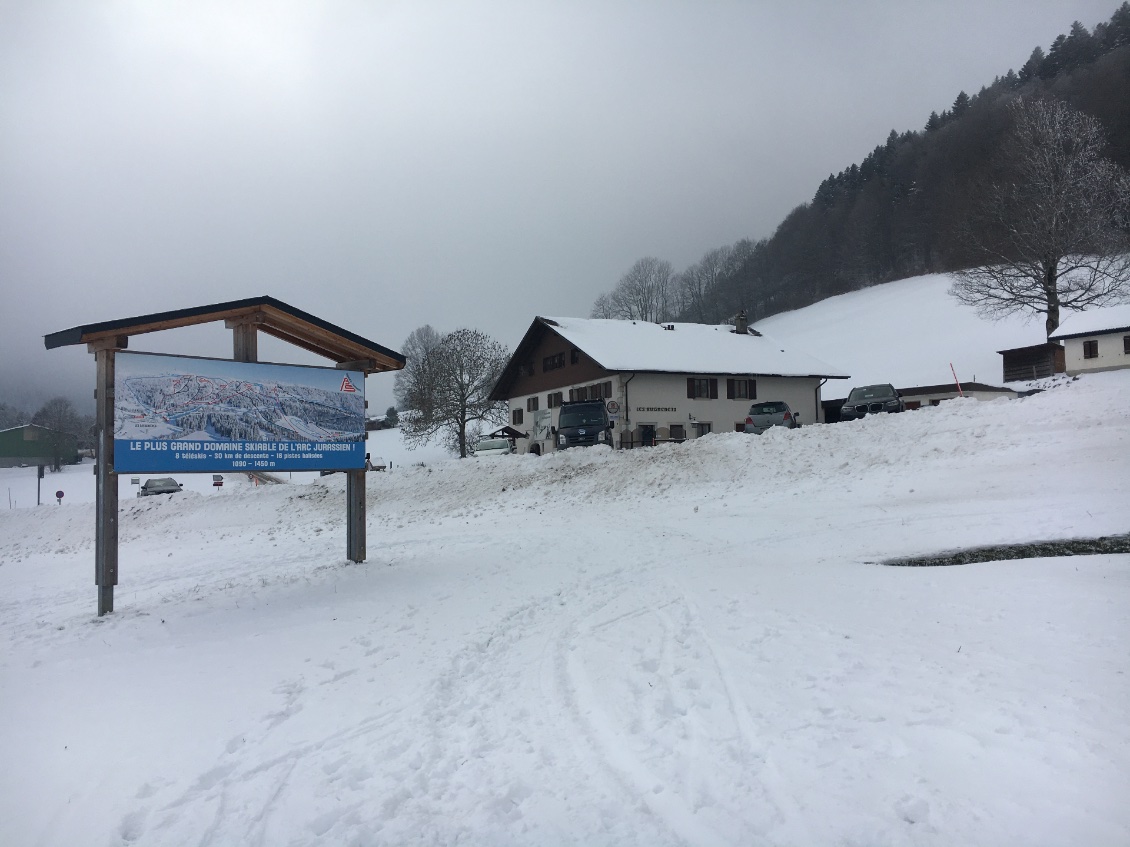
(870, 400)
(770, 413)
(487, 447)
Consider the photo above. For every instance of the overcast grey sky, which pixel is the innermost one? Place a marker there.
(389, 164)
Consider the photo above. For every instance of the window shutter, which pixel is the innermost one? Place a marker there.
(730, 392)
(714, 389)
(690, 388)
(753, 389)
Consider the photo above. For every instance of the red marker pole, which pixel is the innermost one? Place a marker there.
(952, 371)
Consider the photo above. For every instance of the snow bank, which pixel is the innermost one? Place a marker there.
(689, 644)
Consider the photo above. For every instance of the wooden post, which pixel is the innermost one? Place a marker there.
(245, 337)
(106, 491)
(245, 343)
(355, 515)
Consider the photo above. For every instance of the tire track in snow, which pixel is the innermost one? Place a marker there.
(669, 752)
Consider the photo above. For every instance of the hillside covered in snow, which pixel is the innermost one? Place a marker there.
(907, 333)
(689, 644)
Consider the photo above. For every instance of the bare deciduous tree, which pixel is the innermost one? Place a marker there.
(409, 386)
(699, 284)
(1054, 235)
(448, 391)
(603, 308)
(59, 415)
(10, 416)
(645, 293)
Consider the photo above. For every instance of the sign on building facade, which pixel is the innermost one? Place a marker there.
(179, 413)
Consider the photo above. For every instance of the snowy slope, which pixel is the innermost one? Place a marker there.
(690, 644)
(907, 333)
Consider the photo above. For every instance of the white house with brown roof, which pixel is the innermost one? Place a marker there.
(660, 382)
(1095, 340)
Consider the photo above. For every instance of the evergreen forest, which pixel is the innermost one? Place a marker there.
(900, 212)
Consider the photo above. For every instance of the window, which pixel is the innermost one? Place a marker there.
(702, 389)
(552, 401)
(600, 391)
(574, 356)
(1091, 349)
(552, 363)
(678, 432)
(1126, 344)
(516, 417)
(532, 404)
(741, 389)
(578, 394)
(704, 428)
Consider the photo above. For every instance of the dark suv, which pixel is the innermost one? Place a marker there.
(871, 399)
(582, 423)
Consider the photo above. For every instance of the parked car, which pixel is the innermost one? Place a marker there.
(487, 447)
(870, 400)
(582, 423)
(163, 485)
(770, 413)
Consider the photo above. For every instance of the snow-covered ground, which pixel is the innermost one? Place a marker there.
(907, 333)
(18, 486)
(686, 645)
(691, 644)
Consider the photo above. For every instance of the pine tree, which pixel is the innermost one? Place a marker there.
(960, 105)
(1031, 68)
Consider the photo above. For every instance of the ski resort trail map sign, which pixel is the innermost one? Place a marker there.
(176, 413)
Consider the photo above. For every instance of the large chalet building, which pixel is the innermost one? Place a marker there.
(661, 382)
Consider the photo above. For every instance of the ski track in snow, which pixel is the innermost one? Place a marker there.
(683, 645)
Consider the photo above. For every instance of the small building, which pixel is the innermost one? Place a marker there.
(932, 395)
(660, 382)
(32, 444)
(1035, 362)
(1096, 340)
(921, 396)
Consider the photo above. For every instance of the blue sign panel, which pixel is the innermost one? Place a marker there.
(175, 413)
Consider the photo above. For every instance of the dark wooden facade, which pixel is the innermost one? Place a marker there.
(1035, 362)
(531, 370)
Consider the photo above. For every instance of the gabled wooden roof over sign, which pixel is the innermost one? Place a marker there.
(267, 314)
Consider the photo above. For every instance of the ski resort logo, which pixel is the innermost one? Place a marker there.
(346, 385)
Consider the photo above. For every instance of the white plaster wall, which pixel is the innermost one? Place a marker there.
(1110, 356)
(661, 400)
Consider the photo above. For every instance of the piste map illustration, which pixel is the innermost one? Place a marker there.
(202, 406)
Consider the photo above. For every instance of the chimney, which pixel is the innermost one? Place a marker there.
(741, 323)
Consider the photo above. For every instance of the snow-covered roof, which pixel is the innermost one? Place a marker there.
(619, 345)
(1093, 322)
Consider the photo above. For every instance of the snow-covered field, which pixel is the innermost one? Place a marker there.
(907, 333)
(18, 486)
(691, 644)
